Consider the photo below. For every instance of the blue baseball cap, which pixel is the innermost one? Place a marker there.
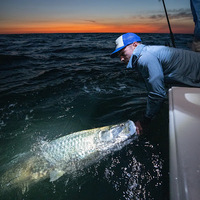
(123, 41)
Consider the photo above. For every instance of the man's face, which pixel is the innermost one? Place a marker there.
(126, 53)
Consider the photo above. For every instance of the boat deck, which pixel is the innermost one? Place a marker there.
(184, 138)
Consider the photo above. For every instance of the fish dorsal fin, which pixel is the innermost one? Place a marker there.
(56, 174)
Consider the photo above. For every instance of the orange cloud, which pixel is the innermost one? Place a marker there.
(52, 28)
(88, 26)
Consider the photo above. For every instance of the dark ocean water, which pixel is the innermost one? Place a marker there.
(55, 84)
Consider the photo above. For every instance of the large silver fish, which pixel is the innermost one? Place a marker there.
(67, 154)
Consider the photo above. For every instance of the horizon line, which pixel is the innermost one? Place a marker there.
(91, 33)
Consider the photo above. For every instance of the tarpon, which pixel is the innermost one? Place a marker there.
(67, 154)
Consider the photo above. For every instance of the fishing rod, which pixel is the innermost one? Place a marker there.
(171, 33)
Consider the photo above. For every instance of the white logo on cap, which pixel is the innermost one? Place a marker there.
(119, 42)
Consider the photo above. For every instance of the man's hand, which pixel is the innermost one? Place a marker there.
(139, 128)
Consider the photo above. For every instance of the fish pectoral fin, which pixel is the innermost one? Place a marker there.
(56, 174)
(25, 188)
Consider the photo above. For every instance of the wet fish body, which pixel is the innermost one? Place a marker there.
(67, 154)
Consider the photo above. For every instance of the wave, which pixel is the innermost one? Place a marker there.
(4, 58)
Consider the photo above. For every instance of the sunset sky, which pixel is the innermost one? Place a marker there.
(72, 16)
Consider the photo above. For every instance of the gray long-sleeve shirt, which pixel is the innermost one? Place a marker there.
(159, 66)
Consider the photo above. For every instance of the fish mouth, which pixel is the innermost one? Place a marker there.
(132, 127)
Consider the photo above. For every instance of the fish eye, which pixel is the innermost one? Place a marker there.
(122, 125)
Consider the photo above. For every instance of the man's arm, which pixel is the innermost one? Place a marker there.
(152, 72)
